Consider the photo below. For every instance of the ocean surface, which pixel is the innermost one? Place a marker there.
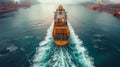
(26, 38)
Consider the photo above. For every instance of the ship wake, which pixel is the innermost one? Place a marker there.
(50, 55)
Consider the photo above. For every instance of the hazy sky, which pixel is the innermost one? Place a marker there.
(74, 1)
(115, 1)
(62, 1)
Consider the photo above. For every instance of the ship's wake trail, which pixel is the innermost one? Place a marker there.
(78, 51)
(73, 55)
(44, 51)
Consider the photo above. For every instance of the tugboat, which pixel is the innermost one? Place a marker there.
(61, 33)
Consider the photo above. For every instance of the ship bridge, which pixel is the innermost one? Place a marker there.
(60, 16)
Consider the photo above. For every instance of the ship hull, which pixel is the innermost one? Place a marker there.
(61, 35)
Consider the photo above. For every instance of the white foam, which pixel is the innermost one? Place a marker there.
(44, 47)
(28, 37)
(62, 58)
(12, 48)
(98, 35)
(83, 57)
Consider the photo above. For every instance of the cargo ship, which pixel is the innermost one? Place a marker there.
(8, 7)
(61, 32)
(26, 4)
